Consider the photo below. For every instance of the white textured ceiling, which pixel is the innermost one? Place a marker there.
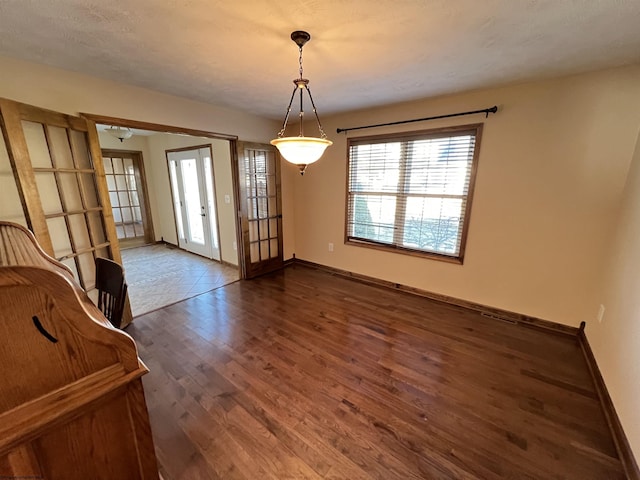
(238, 53)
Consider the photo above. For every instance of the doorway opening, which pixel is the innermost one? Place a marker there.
(166, 271)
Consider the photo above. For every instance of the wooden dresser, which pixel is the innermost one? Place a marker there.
(71, 399)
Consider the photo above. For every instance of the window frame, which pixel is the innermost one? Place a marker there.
(474, 129)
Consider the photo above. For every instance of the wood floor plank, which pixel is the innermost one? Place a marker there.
(303, 374)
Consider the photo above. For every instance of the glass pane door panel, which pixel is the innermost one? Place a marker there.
(264, 229)
(59, 144)
(255, 252)
(97, 229)
(118, 169)
(123, 200)
(264, 250)
(88, 182)
(37, 144)
(127, 217)
(69, 187)
(192, 200)
(80, 150)
(253, 231)
(87, 265)
(71, 263)
(121, 183)
(11, 206)
(252, 208)
(59, 236)
(79, 231)
(272, 206)
(211, 195)
(176, 198)
(48, 189)
(273, 228)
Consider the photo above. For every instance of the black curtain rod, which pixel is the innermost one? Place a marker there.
(486, 111)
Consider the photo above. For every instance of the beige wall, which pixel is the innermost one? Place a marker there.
(552, 167)
(616, 341)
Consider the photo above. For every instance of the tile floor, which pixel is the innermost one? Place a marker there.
(159, 275)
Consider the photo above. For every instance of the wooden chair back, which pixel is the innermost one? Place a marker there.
(112, 290)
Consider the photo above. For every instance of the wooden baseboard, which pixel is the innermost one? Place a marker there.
(491, 312)
(229, 264)
(164, 242)
(620, 439)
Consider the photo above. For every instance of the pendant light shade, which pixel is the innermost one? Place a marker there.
(301, 150)
(120, 133)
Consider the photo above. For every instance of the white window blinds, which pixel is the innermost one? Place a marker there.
(412, 192)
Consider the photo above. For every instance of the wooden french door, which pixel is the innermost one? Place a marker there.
(60, 179)
(260, 205)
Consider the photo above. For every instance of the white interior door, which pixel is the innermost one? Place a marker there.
(192, 184)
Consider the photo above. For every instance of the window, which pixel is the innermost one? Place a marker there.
(412, 192)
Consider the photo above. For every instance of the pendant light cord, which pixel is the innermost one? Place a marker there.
(301, 114)
(300, 61)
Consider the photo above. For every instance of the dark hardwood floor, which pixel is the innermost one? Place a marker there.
(302, 374)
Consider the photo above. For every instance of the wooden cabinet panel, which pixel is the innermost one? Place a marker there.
(71, 399)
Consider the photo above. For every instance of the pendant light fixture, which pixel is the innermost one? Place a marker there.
(301, 150)
(120, 133)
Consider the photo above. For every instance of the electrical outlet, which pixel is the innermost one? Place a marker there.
(235, 245)
(227, 199)
(600, 313)
(330, 247)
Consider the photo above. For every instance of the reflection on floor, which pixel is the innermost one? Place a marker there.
(159, 275)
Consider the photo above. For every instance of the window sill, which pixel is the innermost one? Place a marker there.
(406, 251)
